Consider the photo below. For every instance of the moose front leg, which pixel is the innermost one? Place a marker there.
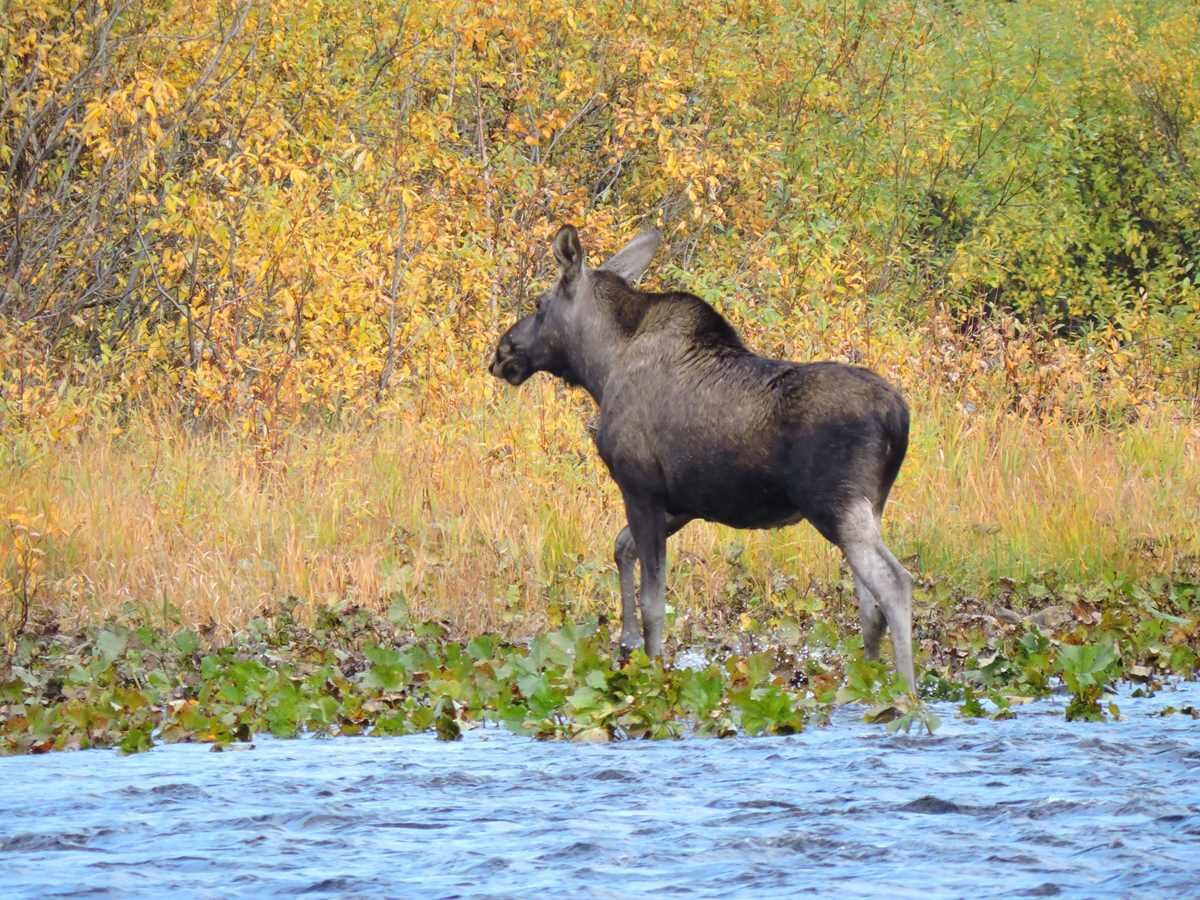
(648, 526)
(626, 556)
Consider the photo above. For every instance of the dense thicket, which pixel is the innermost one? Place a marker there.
(238, 201)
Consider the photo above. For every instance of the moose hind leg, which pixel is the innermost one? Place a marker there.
(870, 617)
(902, 629)
(884, 577)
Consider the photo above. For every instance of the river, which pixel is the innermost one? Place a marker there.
(1030, 806)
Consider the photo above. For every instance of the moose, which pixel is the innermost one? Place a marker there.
(693, 425)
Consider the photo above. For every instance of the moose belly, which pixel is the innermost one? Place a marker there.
(734, 496)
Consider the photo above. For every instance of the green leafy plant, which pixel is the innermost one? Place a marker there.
(1086, 669)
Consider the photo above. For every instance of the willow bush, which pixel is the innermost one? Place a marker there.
(249, 210)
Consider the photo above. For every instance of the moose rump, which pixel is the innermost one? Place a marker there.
(693, 425)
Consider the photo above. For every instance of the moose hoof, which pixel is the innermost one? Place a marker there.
(627, 648)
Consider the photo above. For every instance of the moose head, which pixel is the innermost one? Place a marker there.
(566, 333)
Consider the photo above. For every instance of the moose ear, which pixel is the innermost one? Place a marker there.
(568, 251)
(631, 261)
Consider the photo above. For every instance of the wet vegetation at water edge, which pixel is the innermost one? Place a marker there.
(134, 681)
(254, 259)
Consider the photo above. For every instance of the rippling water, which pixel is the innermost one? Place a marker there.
(1029, 806)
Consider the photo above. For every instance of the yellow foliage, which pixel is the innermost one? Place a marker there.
(242, 221)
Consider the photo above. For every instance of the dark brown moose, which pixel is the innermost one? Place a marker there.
(693, 425)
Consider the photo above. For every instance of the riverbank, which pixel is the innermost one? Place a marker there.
(139, 680)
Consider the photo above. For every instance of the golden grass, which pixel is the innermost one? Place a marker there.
(488, 507)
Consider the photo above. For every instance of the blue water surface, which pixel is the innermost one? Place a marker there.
(1032, 806)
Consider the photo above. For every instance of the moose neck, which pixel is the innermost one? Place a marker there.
(603, 330)
(594, 356)
(611, 318)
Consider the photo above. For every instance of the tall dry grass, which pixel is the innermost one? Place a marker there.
(487, 507)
